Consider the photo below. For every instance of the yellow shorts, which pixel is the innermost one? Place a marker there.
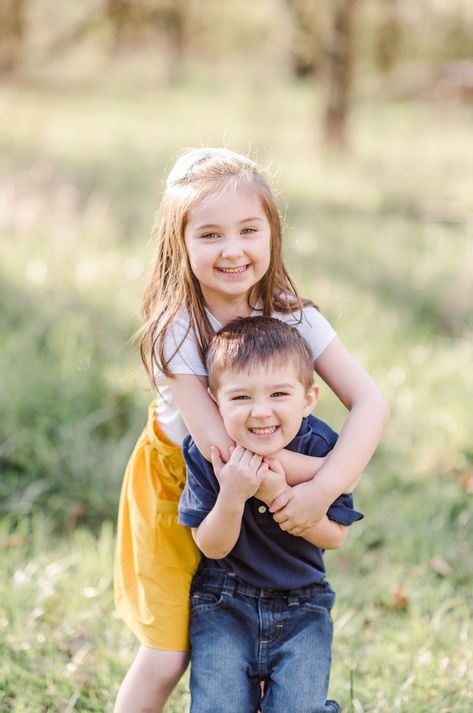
(155, 557)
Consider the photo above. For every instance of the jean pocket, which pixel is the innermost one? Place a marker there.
(205, 600)
(311, 606)
(320, 602)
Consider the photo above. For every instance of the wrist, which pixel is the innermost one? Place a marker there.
(323, 490)
(284, 490)
(269, 497)
(230, 503)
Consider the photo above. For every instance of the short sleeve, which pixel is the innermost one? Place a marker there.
(181, 350)
(201, 488)
(342, 510)
(313, 326)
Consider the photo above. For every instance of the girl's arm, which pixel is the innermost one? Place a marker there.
(306, 503)
(327, 534)
(200, 414)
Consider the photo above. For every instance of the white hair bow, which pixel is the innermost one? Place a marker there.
(184, 163)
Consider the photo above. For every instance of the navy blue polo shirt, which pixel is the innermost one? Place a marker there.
(264, 555)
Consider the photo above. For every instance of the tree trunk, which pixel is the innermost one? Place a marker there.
(388, 35)
(12, 35)
(118, 13)
(339, 56)
(305, 45)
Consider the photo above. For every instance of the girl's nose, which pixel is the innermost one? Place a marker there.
(232, 249)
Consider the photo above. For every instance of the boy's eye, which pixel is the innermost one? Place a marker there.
(240, 397)
(279, 393)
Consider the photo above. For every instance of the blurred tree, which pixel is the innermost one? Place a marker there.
(12, 35)
(174, 19)
(137, 22)
(306, 46)
(339, 58)
(387, 35)
(118, 14)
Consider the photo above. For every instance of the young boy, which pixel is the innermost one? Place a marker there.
(260, 604)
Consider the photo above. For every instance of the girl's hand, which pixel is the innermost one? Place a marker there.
(299, 508)
(273, 483)
(241, 476)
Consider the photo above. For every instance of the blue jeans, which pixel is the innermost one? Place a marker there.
(241, 635)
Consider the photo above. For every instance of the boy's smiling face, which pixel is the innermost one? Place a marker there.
(263, 408)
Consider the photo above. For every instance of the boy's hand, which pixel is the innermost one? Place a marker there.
(273, 483)
(217, 462)
(241, 476)
(299, 508)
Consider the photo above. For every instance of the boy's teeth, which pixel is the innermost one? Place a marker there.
(264, 431)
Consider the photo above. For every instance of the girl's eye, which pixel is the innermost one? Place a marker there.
(248, 231)
(241, 397)
(209, 235)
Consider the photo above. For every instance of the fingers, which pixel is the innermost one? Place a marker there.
(246, 459)
(287, 525)
(280, 503)
(275, 465)
(216, 458)
(296, 531)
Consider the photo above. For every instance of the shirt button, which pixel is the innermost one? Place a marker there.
(262, 508)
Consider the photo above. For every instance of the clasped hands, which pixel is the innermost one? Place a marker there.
(247, 474)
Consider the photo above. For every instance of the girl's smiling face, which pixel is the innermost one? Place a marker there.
(228, 241)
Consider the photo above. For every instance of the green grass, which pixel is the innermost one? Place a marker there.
(380, 238)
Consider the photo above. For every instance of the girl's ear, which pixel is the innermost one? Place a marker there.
(311, 397)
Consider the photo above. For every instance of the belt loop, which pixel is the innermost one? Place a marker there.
(229, 584)
(293, 600)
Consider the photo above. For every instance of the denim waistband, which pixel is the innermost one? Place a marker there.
(229, 583)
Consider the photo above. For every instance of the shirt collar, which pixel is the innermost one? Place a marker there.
(302, 437)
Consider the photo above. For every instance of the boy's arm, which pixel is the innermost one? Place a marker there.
(218, 532)
(356, 444)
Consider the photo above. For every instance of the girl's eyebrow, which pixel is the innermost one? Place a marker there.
(207, 226)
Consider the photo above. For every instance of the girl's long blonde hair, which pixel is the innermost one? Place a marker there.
(172, 285)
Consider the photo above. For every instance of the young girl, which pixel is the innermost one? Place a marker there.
(218, 258)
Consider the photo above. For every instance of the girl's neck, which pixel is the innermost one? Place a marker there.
(225, 312)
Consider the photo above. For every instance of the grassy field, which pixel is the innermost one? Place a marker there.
(380, 238)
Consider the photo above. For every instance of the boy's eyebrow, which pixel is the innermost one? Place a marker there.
(272, 387)
(206, 226)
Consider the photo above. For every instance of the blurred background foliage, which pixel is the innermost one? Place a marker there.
(361, 112)
(360, 109)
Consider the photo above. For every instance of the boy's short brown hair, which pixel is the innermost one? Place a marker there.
(251, 341)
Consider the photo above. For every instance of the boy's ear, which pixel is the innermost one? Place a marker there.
(211, 394)
(311, 397)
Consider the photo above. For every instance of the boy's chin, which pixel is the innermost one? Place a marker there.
(262, 449)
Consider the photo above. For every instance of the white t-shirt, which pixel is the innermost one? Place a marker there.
(315, 329)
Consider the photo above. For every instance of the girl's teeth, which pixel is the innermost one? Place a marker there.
(233, 269)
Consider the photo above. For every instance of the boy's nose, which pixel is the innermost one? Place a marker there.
(261, 410)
